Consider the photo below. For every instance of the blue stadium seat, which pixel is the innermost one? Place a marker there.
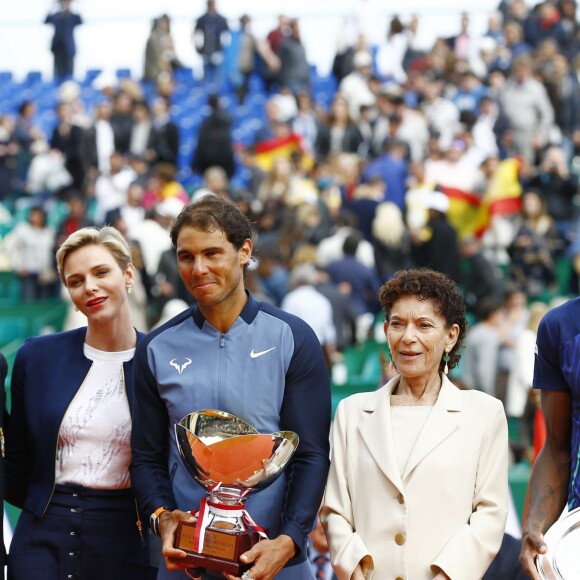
(123, 73)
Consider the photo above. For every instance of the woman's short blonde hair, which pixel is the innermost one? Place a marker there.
(108, 237)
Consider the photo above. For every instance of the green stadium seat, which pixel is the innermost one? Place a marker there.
(13, 328)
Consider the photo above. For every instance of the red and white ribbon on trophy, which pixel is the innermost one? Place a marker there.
(208, 507)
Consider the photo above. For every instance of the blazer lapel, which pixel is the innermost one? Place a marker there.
(376, 431)
(442, 421)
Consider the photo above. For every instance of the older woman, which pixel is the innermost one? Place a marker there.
(67, 443)
(418, 482)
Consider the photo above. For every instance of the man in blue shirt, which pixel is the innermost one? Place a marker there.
(555, 482)
(238, 355)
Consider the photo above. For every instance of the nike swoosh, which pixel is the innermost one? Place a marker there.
(257, 354)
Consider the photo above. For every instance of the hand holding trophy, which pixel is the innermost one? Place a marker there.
(561, 560)
(231, 460)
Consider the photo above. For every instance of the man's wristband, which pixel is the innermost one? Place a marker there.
(154, 520)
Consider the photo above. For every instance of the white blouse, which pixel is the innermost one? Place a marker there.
(407, 423)
(94, 438)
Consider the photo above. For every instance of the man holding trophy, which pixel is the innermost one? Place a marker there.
(227, 395)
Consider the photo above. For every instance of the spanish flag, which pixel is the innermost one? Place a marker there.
(471, 214)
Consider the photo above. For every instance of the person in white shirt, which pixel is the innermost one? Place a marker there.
(68, 435)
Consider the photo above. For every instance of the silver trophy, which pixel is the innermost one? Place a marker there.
(561, 562)
(231, 460)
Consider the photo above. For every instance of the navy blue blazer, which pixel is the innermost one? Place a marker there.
(48, 372)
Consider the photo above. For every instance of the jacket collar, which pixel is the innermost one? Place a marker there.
(376, 428)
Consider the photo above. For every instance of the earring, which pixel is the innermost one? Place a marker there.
(446, 360)
(76, 309)
(129, 289)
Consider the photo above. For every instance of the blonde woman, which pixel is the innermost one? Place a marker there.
(67, 444)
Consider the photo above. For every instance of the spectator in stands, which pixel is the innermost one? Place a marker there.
(437, 247)
(392, 168)
(215, 180)
(557, 188)
(304, 301)
(516, 315)
(441, 113)
(479, 370)
(359, 282)
(163, 185)
(355, 86)
(364, 203)
(210, 36)
(152, 233)
(29, 250)
(47, 173)
(532, 265)
(122, 121)
(305, 123)
(543, 23)
(479, 278)
(214, 141)
(68, 138)
(99, 140)
(331, 248)
(246, 57)
(564, 93)
(519, 398)
(391, 53)
(63, 45)
(25, 132)
(75, 220)
(140, 129)
(526, 104)
(111, 187)
(164, 136)
(461, 44)
(391, 240)
(339, 133)
(71, 478)
(167, 283)
(294, 69)
(410, 125)
(133, 212)
(282, 31)
(160, 55)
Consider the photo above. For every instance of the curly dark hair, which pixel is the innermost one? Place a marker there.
(212, 213)
(428, 284)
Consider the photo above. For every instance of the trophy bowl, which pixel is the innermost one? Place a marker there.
(561, 560)
(231, 460)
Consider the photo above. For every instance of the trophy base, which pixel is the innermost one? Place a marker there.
(221, 550)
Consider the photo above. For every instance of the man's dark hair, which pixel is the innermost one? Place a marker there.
(350, 245)
(487, 307)
(213, 213)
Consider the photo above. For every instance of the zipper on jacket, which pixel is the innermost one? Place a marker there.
(222, 346)
(139, 524)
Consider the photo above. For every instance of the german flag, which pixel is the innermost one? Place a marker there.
(267, 151)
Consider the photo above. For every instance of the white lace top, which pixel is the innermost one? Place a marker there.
(94, 438)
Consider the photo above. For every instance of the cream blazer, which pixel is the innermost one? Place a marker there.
(449, 507)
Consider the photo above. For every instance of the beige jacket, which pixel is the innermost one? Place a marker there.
(448, 509)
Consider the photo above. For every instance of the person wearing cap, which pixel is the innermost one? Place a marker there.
(355, 86)
(437, 249)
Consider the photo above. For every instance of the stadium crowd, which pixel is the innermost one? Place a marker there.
(464, 158)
